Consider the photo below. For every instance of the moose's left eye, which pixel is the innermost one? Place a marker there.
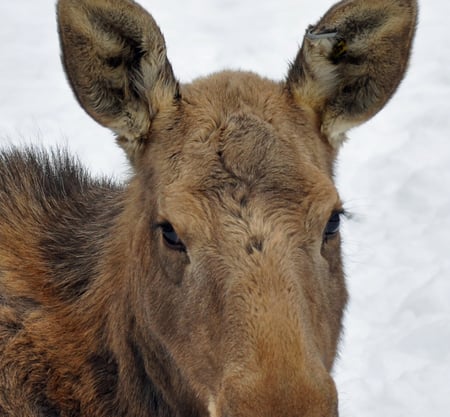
(333, 225)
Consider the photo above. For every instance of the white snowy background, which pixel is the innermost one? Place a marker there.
(394, 174)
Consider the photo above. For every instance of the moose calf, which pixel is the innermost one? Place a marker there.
(211, 283)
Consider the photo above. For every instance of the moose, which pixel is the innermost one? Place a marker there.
(210, 283)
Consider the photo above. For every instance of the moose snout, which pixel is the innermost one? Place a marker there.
(271, 397)
(322, 410)
(275, 360)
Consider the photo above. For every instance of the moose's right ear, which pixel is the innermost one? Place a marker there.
(115, 59)
(352, 61)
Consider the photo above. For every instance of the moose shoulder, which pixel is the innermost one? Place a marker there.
(211, 283)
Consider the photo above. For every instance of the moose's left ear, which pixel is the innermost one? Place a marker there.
(352, 61)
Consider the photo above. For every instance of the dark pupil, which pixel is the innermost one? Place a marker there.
(170, 237)
(333, 224)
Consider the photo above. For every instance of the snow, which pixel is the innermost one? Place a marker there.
(394, 175)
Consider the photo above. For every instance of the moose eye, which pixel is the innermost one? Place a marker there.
(171, 239)
(332, 227)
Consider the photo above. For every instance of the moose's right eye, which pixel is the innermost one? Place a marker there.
(171, 238)
(333, 225)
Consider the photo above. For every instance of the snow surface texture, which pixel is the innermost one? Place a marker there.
(394, 175)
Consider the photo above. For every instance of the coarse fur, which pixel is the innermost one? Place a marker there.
(211, 283)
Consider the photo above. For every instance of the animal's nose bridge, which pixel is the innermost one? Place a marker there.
(269, 295)
(273, 366)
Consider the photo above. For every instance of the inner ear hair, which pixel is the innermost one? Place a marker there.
(115, 59)
(352, 61)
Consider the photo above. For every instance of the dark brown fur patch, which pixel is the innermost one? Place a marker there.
(61, 194)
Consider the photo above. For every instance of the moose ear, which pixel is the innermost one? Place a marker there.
(115, 59)
(352, 61)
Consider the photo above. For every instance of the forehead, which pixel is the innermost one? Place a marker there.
(240, 134)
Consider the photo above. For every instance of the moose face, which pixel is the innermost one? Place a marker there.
(245, 226)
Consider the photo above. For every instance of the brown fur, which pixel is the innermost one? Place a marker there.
(100, 314)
